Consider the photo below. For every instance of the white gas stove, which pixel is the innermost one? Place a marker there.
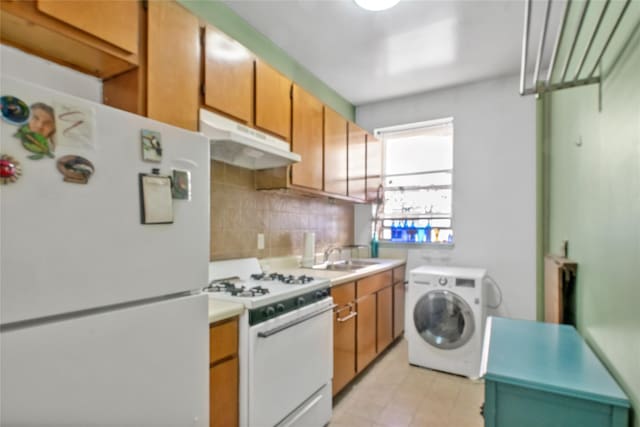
(286, 343)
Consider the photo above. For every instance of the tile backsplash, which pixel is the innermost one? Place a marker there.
(239, 213)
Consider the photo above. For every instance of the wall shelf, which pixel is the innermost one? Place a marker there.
(583, 37)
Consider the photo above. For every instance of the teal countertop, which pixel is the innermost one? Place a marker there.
(547, 357)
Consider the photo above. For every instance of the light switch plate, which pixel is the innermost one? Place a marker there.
(260, 241)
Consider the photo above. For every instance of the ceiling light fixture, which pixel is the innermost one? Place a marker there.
(376, 5)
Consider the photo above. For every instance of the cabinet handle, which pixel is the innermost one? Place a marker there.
(343, 308)
(351, 314)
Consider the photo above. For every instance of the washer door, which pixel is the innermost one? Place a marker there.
(443, 319)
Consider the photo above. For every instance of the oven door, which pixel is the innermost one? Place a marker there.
(290, 360)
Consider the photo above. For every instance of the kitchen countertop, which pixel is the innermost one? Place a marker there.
(221, 310)
(340, 277)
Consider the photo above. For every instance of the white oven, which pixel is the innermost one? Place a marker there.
(285, 346)
(290, 368)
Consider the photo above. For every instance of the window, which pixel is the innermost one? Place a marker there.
(418, 174)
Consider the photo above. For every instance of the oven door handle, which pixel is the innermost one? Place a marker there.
(299, 320)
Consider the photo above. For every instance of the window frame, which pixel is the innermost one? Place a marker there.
(380, 134)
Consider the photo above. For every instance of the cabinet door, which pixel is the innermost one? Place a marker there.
(173, 68)
(357, 161)
(223, 394)
(374, 166)
(384, 318)
(306, 139)
(335, 153)
(366, 331)
(398, 309)
(273, 101)
(228, 76)
(344, 335)
(223, 340)
(115, 22)
(374, 283)
(25, 26)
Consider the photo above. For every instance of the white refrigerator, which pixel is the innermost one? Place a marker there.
(101, 319)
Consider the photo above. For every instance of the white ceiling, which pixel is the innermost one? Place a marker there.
(417, 46)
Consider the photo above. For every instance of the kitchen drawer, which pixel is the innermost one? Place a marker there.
(372, 284)
(223, 340)
(398, 274)
(344, 294)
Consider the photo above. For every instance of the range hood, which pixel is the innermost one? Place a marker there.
(242, 146)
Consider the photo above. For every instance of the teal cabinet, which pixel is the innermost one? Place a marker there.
(544, 375)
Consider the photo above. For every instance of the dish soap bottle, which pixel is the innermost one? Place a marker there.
(374, 246)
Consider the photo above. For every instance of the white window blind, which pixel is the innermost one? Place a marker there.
(418, 183)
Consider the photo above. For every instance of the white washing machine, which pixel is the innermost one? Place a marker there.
(445, 315)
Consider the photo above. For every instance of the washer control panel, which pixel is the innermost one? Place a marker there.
(435, 281)
(444, 281)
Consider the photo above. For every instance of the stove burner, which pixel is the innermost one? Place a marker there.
(224, 286)
(289, 279)
(234, 290)
(300, 280)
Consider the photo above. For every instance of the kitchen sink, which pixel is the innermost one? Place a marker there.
(351, 265)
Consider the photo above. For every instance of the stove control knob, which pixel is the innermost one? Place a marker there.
(443, 281)
(280, 308)
(319, 295)
(300, 301)
(269, 311)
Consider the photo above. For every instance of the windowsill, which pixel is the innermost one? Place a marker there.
(414, 245)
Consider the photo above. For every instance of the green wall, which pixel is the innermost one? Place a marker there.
(593, 201)
(225, 19)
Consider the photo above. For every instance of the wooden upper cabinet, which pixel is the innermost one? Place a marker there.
(357, 161)
(335, 152)
(273, 101)
(173, 64)
(115, 22)
(94, 37)
(306, 139)
(374, 166)
(228, 76)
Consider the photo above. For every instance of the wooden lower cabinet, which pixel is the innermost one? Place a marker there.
(384, 318)
(366, 331)
(223, 394)
(398, 309)
(363, 324)
(223, 373)
(398, 301)
(344, 335)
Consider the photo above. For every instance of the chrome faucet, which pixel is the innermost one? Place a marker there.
(358, 247)
(330, 250)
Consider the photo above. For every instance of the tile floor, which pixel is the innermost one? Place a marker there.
(393, 393)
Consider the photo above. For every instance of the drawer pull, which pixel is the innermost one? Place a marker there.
(348, 316)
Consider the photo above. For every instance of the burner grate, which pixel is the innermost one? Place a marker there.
(288, 279)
